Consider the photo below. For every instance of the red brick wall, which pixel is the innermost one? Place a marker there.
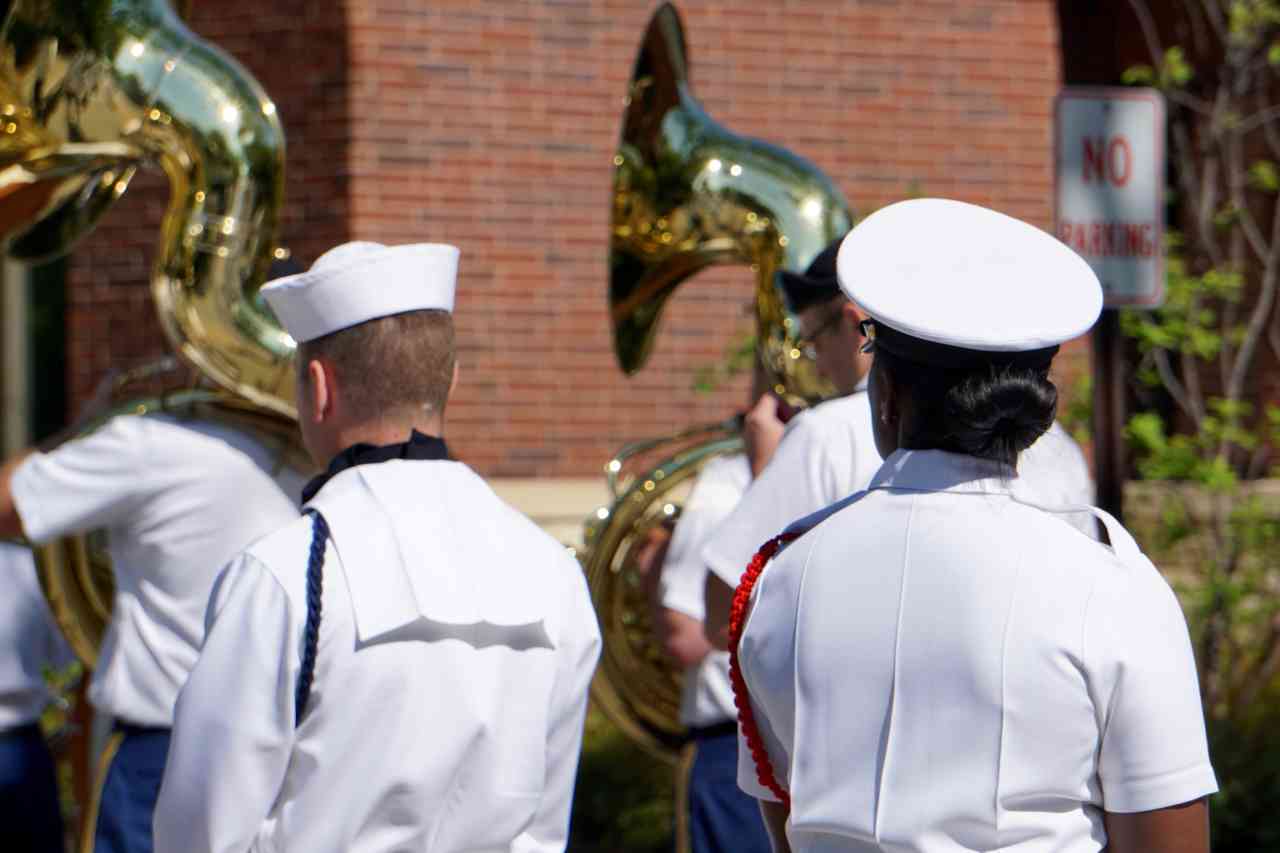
(492, 124)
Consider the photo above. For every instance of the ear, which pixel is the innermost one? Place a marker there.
(852, 312)
(320, 401)
(453, 383)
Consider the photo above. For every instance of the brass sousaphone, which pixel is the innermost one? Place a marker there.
(89, 93)
(687, 194)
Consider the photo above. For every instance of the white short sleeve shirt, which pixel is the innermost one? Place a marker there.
(178, 500)
(939, 667)
(827, 453)
(29, 640)
(707, 697)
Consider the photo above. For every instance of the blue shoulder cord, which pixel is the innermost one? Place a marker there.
(311, 634)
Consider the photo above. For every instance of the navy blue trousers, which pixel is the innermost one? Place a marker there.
(722, 819)
(30, 820)
(130, 789)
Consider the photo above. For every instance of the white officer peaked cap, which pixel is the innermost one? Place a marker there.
(357, 282)
(964, 277)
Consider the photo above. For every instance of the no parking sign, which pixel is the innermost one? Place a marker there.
(1110, 188)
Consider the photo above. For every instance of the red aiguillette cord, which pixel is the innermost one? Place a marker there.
(737, 616)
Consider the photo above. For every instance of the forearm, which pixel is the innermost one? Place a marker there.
(719, 597)
(775, 822)
(683, 638)
(10, 521)
(1177, 829)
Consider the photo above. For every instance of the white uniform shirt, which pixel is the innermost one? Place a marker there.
(430, 725)
(937, 667)
(829, 452)
(178, 500)
(707, 697)
(29, 640)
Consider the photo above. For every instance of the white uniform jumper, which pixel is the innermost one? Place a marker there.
(29, 643)
(456, 644)
(1001, 679)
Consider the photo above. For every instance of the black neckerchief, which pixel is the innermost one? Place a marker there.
(419, 446)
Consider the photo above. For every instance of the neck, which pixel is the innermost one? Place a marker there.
(862, 364)
(381, 431)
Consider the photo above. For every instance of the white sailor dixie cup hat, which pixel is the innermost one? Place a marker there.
(952, 284)
(357, 282)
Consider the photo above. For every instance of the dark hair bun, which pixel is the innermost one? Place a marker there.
(997, 415)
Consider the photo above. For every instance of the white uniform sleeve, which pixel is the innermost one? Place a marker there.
(578, 651)
(684, 575)
(1154, 752)
(802, 477)
(90, 482)
(233, 726)
(767, 657)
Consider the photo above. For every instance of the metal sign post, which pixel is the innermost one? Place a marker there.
(1110, 173)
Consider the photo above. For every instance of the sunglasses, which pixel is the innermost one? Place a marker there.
(808, 343)
(868, 329)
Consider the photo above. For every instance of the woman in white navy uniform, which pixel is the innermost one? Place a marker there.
(935, 664)
(829, 452)
(406, 668)
(30, 815)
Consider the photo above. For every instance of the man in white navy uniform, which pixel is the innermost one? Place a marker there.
(828, 452)
(936, 663)
(178, 499)
(30, 815)
(406, 668)
(721, 816)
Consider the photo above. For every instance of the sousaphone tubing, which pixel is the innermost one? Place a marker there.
(90, 93)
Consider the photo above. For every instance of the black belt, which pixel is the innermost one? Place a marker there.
(23, 731)
(129, 729)
(728, 727)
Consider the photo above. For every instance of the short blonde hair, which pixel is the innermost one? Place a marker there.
(400, 363)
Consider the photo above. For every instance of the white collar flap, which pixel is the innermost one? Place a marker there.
(431, 541)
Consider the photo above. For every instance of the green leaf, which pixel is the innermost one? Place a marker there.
(1263, 175)
(1218, 475)
(1230, 409)
(1242, 23)
(1273, 53)
(1139, 75)
(1145, 433)
(1176, 71)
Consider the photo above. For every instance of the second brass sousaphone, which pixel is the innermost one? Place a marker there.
(687, 194)
(89, 93)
